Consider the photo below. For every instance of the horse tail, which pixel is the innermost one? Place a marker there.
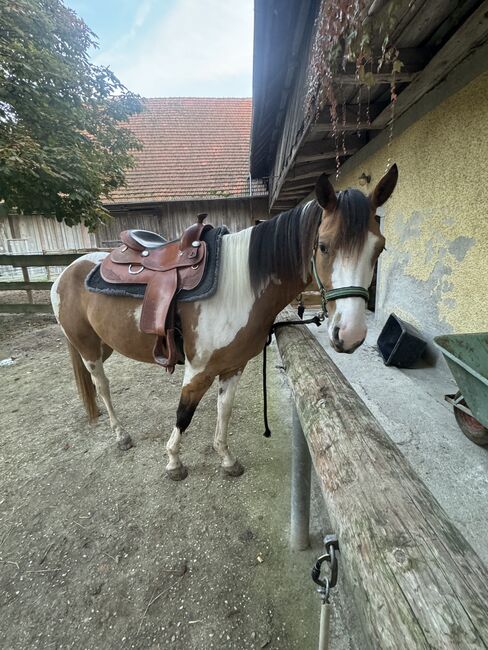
(84, 383)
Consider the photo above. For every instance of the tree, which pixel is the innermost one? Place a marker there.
(63, 143)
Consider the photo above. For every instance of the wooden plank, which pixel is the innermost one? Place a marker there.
(25, 308)
(297, 185)
(416, 581)
(348, 127)
(376, 78)
(46, 259)
(351, 114)
(470, 36)
(325, 147)
(19, 286)
(302, 170)
(295, 196)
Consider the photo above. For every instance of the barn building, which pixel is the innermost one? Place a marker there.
(194, 158)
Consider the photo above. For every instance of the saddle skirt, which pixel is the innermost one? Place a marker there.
(165, 269)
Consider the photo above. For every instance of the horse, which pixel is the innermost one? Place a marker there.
(262, 269)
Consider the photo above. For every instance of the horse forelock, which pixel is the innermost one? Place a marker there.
(352, 224)
(281, 248)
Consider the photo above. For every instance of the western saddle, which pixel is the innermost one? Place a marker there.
(165, 268)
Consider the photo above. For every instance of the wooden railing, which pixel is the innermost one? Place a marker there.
(24, 261)
(415, 580)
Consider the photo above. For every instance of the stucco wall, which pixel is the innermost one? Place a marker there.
(435, 270)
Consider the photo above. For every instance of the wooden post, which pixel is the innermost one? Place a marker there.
(416, 581)
(25, 273)
(301, 470)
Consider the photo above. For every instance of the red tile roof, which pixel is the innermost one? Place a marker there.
(193, 147)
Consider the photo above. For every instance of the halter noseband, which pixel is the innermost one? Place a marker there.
(336, 294)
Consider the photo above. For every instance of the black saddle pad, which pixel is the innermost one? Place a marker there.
(207, 287)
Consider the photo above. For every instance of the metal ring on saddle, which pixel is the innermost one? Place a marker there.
(141, 268)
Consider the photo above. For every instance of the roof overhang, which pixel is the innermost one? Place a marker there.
(443, 46)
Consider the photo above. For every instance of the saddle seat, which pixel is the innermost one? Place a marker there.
(145, 239)
(165, 268)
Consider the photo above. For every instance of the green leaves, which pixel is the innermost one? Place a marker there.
(63, 146)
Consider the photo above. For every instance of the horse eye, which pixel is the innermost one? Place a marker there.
(323, 248)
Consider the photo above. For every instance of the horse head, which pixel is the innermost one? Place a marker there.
(348, 244)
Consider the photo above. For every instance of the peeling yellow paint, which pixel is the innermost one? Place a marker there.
(442, 195)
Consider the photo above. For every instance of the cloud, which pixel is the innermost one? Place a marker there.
(196, 48)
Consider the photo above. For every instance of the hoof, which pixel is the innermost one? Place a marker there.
(125, 443)
(177, 473)
(234, 470)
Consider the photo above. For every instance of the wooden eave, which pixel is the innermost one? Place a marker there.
(443, 45)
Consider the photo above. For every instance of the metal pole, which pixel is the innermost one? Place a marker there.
(301, 468)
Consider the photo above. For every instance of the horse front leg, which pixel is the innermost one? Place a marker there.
(192, 392)
(227, 391)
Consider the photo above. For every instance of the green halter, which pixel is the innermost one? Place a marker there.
(336, 294)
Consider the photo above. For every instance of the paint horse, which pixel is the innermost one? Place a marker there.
(262, 269)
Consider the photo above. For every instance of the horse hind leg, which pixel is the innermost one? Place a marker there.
(95, 368)
(225, 401)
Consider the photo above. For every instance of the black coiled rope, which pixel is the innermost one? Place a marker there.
(317, 320)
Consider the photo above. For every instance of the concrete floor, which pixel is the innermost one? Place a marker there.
(410, 406)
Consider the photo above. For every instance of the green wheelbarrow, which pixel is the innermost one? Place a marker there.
(467, 358)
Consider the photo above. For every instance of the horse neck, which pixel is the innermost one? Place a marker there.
(280, 253)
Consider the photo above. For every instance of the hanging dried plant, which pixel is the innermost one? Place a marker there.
(344, 35)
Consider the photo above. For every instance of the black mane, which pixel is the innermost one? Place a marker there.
(282, 246)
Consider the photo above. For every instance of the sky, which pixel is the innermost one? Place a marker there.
(174, 48)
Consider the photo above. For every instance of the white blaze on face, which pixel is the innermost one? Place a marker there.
(350, 313)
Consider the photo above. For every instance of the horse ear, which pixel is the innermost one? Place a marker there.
(385, 187)
(325, 193)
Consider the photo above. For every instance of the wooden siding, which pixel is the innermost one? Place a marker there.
(170, 219)
(35, 234)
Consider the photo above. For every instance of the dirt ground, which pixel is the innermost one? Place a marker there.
(99, 550)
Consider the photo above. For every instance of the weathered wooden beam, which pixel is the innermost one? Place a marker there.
(302, 170)
(295, 195)
(375, 78)
(416, 581)
(325, 148)
(471, 35)
(19, 286)
(25, 308)
(303, 184)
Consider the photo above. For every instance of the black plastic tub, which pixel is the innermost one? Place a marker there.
(400, 343)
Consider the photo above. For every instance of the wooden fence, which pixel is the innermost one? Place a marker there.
(24, 262)
(415, 580)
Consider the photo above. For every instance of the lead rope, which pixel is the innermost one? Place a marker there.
(317, 319)
(324, 586)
